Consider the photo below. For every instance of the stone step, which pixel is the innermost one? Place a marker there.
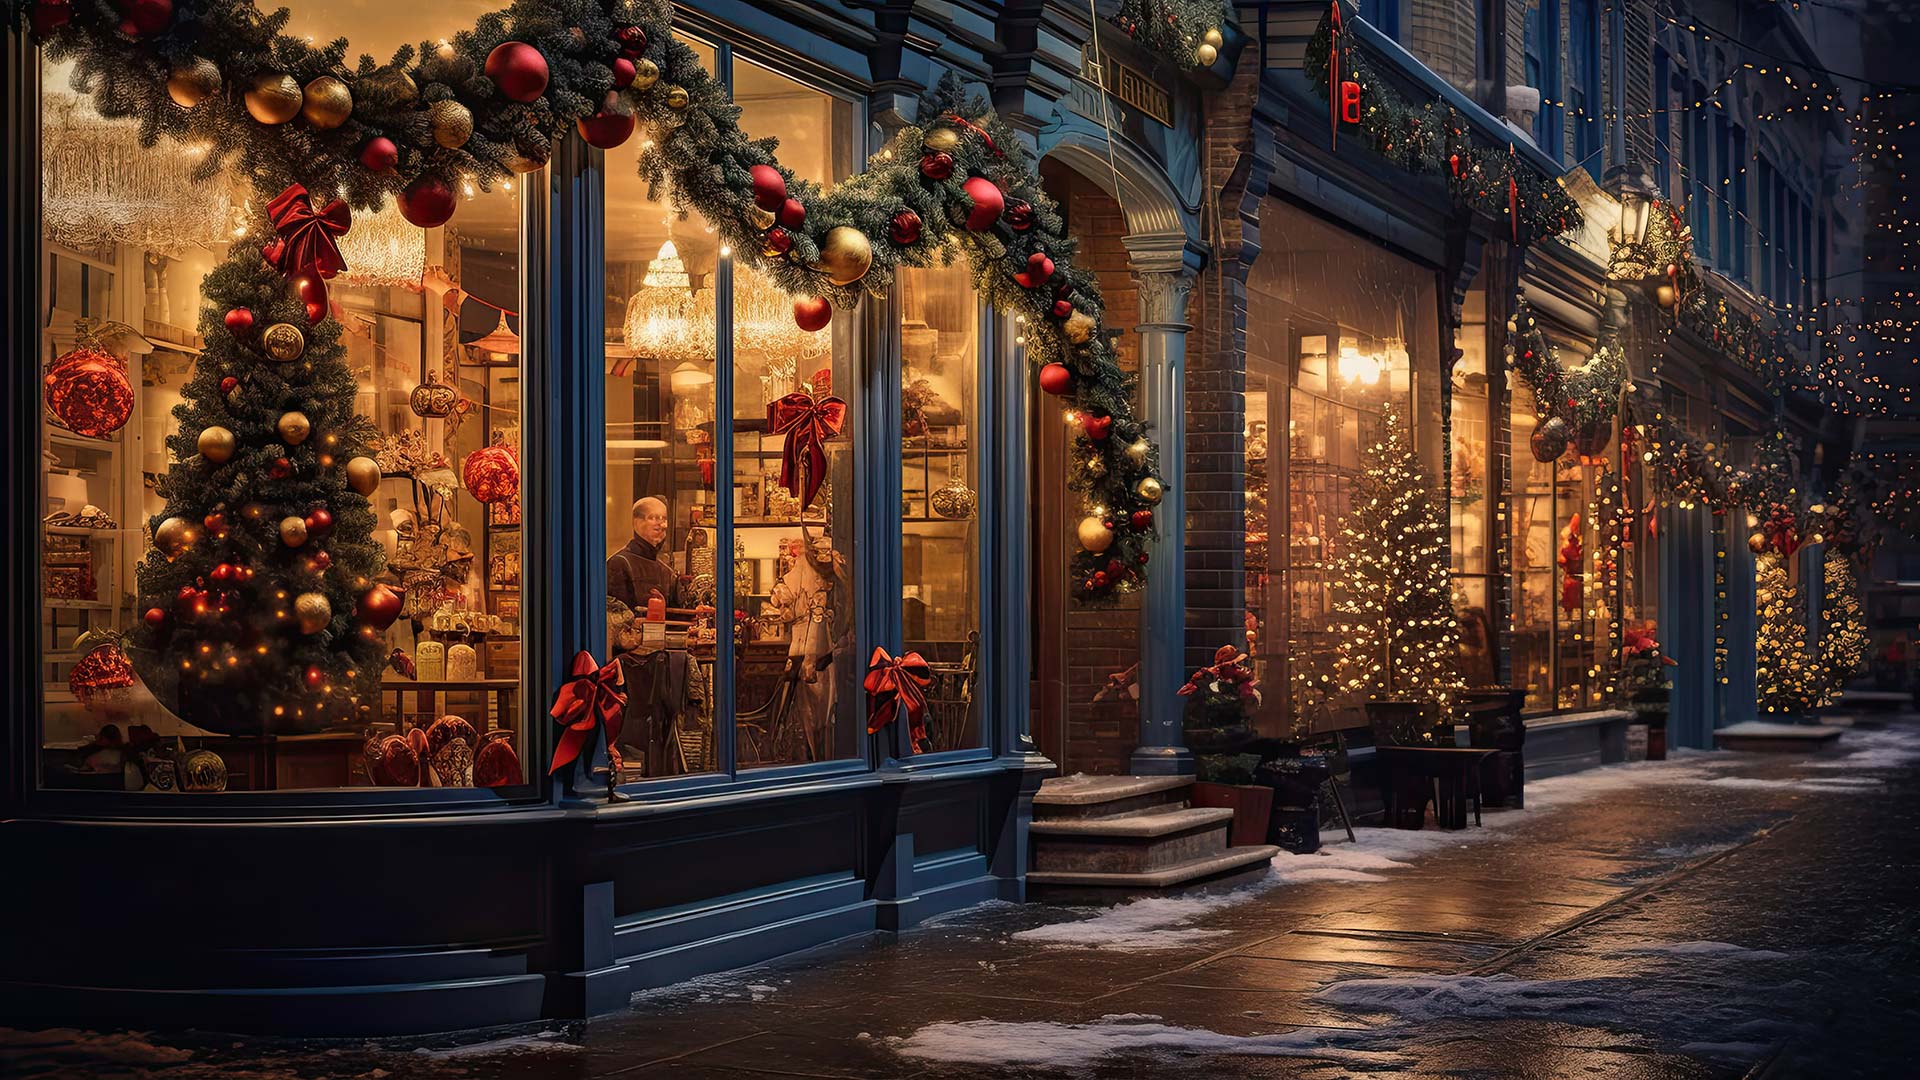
(1130, 843)
(1765, 737)
(1083, 796)
(1198, 868)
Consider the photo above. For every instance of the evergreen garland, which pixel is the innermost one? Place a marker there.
(1185, 31)
(1585, 396)
(910, 208)
(1433, 138)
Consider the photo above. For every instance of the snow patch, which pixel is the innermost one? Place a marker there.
(1718, 949)
(1488, 997)
(1693, 851)
(1369, 856)
(57, 1048)
(1069, 1046)
(1156, 922)
(1855, 784)
(1890, 749)
(538, 1042)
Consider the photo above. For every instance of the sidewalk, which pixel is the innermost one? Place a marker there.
(1718, 915)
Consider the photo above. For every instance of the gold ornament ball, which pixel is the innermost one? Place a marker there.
(274, 98)
(284, 342)
(391, 85)
(1079, 327)
(1094, 535)
(1757, 543)
(193, 82)
(216, 445)
(1213, 37)
(1138, 450)
(1149, 489)
(452, 123)
(521, 163)
(845, 255)
(1206, 54)
(293, 530)
(645, 73)
(677, 98)
(313, 611)
(1663, 296)
(363, 475)
(761, 220)
(327, 103)
(945, 140)
(294, 427)
(175, 537)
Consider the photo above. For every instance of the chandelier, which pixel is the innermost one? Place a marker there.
(383, 248)
(101, 187)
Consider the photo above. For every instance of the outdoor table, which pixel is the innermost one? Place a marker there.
(1453, 771)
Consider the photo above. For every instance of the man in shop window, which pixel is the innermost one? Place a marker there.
(636, 573)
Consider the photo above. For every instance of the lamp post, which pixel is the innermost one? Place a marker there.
(1636, 193)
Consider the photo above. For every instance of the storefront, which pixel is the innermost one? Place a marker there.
(575, 393)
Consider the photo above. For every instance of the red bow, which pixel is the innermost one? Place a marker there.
(593, 696)
(807, 422)
(304, 246)
(894, 683)
(1784, 532)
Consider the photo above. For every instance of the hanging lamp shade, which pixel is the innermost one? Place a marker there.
(501, 339)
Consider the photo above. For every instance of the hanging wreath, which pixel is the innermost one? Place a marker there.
(494, 100)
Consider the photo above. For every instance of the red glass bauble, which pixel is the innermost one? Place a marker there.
(321, 561)
(1019, 215)
(156, 616)
(1097, 427)
(221, 574)
(101, 672)
(378, 607)
(144, 16)
(778, 241)
(496, 764)
(427, 202)
(1100, 579)
(936, 165)
(87, 390)
(319, 520)
(609, 127)
(379, 154)
(812, 313)
(229, 384)
(239, 320)
(623, 72)
(1056, 379)
(905, 228)
(632, 39)
(1141, 519)
(491, 474)
(988, 202)
(280, 469)
(792, 214)
(769, 187)
(518, 69)
(313, 293)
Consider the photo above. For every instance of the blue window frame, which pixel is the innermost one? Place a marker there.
(1663, 118)
(1583, 81)
(1767, 183)
(1701, 202)
(1382, 15)
(1541, 41)
(1722, 175)
(1737, 214)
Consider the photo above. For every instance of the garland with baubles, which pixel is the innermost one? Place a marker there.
(1431, 138)
(493, 101)
(1188, 31)
(1575, 407)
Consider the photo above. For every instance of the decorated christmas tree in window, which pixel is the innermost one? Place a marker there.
(1843, 628)
(1393, 611)
(1786, 676)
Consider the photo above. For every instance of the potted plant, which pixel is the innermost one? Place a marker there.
(1221, 701)
(1647, 685)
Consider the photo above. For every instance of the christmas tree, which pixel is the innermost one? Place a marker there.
(1394, 607)
(262, 612)
(1785, 677)
(1843, 628)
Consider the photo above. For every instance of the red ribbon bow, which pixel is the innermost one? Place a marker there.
(807, 422)
(894, 683)
(593, 696)
(304, 247)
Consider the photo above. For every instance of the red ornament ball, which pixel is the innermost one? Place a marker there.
(102, 676)
(769, 187)
(144, 16)
(379, 154)
(609, 127)
(491, 474)
(1141, 519)
(229, 384)
(427, 202)
(496, 764)
(239, 320)
(1056, 379)
(319, 520)
(314, 677)
(812, 313)
(905, 228)
(156, 616)
(633, 41)
(215, 524)
(47, 16)
(87, 390)
(518, 69)
(936, 165)
(378, 607)
(1019, 215)
(321, 561)
(1097, 427)
(1062, 308)
(1099, 579)
(222, 573)
(779, 241)
(623, 72)
(280, 469)
(792, 214)
(988, 202)
(312, 292)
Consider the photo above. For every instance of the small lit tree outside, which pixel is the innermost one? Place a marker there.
(1786, 675)
(1393, 608)
(1843, 627)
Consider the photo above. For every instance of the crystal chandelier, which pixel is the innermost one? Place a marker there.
(383, 248)
(667, 318)
(101, 187)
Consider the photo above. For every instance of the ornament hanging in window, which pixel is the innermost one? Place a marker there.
(433, 399)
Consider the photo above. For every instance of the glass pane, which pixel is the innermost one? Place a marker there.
(232, 655)
(662, 569)
(1535, 545)
(940, 594)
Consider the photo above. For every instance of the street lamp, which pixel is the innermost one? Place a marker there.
(1636, 194)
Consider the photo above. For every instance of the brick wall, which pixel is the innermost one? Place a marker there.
(1099, 641)
(1441, 35)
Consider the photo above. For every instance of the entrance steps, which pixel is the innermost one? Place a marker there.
(1766, 737)
(1131, 832)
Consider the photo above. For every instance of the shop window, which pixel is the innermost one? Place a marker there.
(662, 323)
(225, 689)
(1475, 499)
(1540, 39)
(940, 342)
(1583, 82)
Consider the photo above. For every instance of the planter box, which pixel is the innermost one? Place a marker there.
(1252, 806)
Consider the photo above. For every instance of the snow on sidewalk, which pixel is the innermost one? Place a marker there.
(1071, 1046)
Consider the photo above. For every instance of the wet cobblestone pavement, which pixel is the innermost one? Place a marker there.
(1721, 915)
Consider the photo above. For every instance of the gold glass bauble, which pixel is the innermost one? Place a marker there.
(216, 445)
(293, 530)
(175, 537)
(1206, 54)
(761, 220)
(942, 139)
(956, 501)
(677, 98)
(313, 611)
(1079, 327)
(284, 342)
(390, 84)
(1213, 37)
(845, 255)
(1094, 535)
(294, 427)
(645, 73)
(326, 103)
(433, 399)
(273, 98)
(521, 163)
(1149, 489)
(363, 475)
(1757, 543)
(452, 123)
(193, 82)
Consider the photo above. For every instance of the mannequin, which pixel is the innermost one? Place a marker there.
(812, 598)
